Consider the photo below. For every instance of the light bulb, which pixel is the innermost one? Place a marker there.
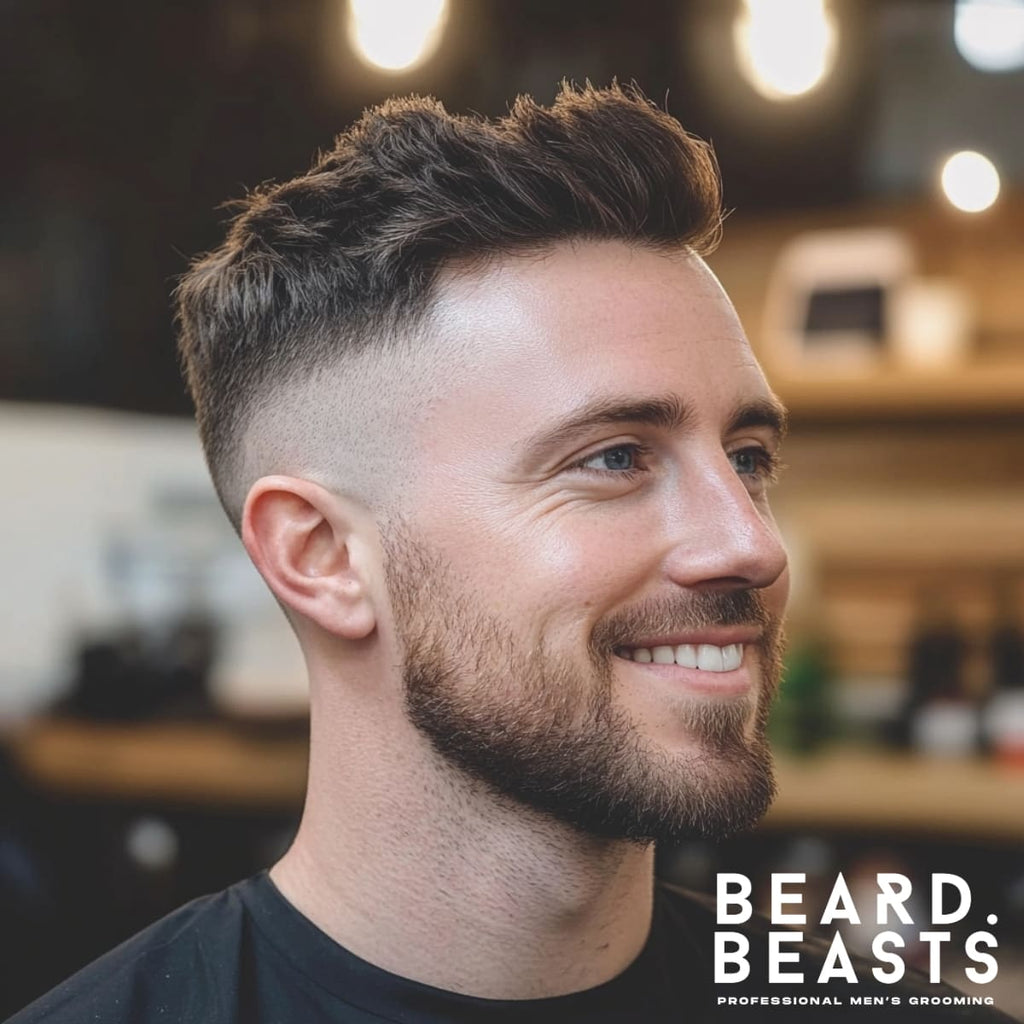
(990, 33)
(970, 181)
(396, 35)
(785, 49)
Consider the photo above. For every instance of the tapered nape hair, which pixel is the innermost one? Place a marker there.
(342, 261)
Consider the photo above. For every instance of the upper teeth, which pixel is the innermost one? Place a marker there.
(706, 657)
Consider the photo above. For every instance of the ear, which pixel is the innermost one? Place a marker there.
(316, 552)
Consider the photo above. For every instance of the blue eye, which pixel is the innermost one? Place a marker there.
(746, 461)
(619, 460)
(755, 462)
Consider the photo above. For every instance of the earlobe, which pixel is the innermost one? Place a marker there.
(307, 544)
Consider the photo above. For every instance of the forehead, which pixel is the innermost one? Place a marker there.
(589, 320)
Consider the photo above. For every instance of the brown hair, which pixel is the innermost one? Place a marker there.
(345, 256)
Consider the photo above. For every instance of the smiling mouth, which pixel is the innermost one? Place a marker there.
(703, 657)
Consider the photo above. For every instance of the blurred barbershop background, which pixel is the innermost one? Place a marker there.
(152, 736)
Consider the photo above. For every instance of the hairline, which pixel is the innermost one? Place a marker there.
(407, 333)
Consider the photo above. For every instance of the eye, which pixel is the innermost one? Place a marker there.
(619, 460)
(758, 464)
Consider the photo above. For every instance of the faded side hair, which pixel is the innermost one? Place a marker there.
(342, 261)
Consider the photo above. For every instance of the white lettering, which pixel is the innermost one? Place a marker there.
(934, 941)
(878, 950)
(738, 897)
(781, 898)
(939, 914)
(974, 940)
(777, 957)
(840, 906)
(737, 956)
(837, 962)
(894, 891)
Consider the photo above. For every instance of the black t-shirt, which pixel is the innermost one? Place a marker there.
(247, 956)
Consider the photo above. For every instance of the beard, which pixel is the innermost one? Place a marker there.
(545, 730)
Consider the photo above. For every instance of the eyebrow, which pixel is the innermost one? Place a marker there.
(666, 412)
(760, 412)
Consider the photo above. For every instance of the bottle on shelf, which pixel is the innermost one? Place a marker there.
(938, 716)
(1003, 717)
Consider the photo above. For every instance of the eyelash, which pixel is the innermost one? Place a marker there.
(640, 452)
(768, 463)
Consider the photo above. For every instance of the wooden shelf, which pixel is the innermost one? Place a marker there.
(188, 763)
(984, 254)
(977, 390)
(853, 789)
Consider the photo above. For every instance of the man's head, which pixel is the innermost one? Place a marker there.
(480, 411)
(327, 281)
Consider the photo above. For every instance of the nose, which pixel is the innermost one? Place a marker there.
(721, 537)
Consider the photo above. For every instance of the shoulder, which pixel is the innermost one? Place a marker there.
(912, 998)
(181, 968)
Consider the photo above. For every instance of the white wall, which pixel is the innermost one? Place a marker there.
(110, 516)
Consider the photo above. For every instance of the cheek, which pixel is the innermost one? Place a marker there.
(594, 564)
(566, 562)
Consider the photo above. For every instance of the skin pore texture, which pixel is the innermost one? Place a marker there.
(489, 762)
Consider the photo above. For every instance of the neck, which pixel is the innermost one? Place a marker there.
(433, 877)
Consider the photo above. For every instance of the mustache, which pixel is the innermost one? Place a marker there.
(684, 613)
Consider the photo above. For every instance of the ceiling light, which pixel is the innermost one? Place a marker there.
(785, 49)
(970, 181)
(990, 33)
(396, 35)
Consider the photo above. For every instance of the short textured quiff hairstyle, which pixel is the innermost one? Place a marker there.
(343, 260)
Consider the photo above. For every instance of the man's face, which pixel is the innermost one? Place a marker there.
(587, 583)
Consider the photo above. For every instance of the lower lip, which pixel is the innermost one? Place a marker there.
(715, 684)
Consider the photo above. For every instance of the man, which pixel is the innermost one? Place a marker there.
(492, 434)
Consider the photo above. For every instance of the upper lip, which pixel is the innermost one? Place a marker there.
(718, 636)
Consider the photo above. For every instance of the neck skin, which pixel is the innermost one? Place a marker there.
(431, 876)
